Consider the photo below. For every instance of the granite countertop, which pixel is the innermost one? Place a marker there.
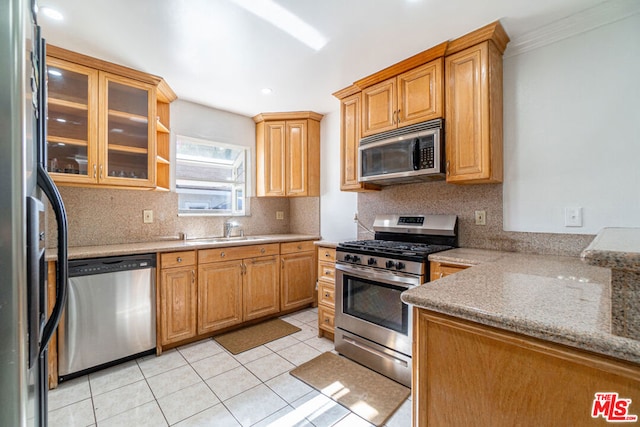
(79, 252)
(554, 298)
(617, 248)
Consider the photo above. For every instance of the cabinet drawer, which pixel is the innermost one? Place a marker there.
(326, 317)
(177, 259)
(326, 254)
(326, 293)
(327, 271)
(237, 252)
(293, 247)
(439, 270)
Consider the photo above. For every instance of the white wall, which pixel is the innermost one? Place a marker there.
(336, 207)
(572, 132)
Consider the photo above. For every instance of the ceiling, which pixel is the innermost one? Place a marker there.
(219, 54)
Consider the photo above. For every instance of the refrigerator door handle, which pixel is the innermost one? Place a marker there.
(51, 191)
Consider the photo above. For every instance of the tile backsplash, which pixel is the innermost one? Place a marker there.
(463, 201)
(106, 216)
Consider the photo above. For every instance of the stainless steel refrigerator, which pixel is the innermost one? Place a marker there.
(25, 187)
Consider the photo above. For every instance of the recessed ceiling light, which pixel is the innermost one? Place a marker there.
(267, 91)
(51, 13)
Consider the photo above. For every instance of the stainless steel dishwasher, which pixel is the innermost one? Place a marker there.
(110, 314)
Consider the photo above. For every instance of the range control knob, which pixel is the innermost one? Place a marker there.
(356, 258)
(347, 257)
(372, 261)
(400, 266)
(390, 264)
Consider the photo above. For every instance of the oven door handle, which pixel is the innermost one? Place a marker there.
(390, 278)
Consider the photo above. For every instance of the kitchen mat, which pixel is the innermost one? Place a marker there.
(364, 392)
(253, 336)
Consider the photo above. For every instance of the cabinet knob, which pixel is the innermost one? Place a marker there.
(262, 250)
(326, 294)
(179, 259)
(326, 254)
(222, 254)
(326, 320)
(299, 246)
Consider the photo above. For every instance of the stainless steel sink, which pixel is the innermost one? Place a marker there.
(205, 240)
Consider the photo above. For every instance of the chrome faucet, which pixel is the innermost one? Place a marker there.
(228, 226)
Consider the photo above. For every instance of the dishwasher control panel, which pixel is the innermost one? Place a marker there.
(84, 267)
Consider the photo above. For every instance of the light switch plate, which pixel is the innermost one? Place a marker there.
(147, 216)
(481, 217)
(279, 214)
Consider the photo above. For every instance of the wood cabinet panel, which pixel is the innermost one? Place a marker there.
(326, 319)
(379, 107)
(439, 270)
(219, 295)
(287, 154)
(326, 293)
(294, 247)
(178, 302)
(326, 254)
(177, 259)
(260, 288)
(326, 271)
(298, 279)
(507, 379)
(421, 93)
(474, 115)
(237, 252)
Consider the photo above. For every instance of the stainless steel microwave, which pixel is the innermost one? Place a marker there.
(411, 154)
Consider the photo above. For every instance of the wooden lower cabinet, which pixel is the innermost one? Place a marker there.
(298, 279)
(326, 291)
(260, 287)
(467, 374)
(177, 297)
(219, 295)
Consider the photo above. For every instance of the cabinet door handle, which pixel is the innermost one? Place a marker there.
(399, 115)
(101, 169)
(95, 170)
(393, 120)
(282, 263)
(193, 276)
(441, 274)
(243, 268)
(448, 173)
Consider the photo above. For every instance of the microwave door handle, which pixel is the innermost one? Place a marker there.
(415, 149)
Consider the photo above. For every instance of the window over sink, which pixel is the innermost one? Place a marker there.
(210, 177)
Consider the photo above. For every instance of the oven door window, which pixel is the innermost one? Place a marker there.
(375, 302)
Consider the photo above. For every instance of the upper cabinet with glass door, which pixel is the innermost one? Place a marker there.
(107, 125)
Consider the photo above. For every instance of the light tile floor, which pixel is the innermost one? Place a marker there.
(202, 384)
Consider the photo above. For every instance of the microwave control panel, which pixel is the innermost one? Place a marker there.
(427, 154)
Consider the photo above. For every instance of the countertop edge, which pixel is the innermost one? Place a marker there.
(616, 347)
(80, 252)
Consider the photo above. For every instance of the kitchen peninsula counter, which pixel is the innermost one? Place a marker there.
(80, 252)
(553, 298)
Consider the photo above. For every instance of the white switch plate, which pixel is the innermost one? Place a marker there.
(279, 215)
(481, 217)
(573, 217)
(147, 216)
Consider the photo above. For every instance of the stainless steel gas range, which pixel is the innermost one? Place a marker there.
(372, 324)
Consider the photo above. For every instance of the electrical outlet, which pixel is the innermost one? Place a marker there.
(279, 215)
(355, 217)
(147, 216)
(573, 217)
(481, 217)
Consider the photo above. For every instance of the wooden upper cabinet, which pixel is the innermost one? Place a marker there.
(350, 119)
(288, 154)
(107, 124)
(473, 130)
(411, 97)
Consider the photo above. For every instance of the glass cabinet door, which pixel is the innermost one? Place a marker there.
(127, 132)
(71, 122)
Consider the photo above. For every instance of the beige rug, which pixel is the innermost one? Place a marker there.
(253, 336)
(366, 393)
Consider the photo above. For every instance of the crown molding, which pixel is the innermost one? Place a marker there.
(581, 22)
